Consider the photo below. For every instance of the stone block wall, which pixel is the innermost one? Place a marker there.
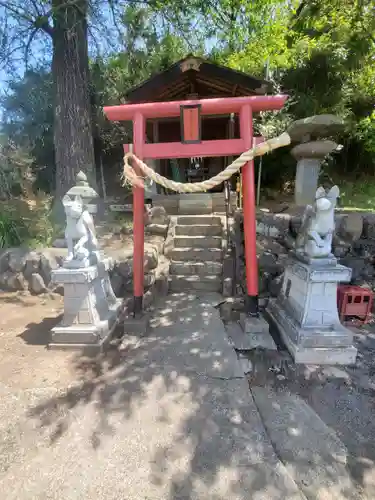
(22, 269)
(353, 245)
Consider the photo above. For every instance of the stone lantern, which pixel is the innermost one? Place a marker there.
(311, 151)
(88, 194)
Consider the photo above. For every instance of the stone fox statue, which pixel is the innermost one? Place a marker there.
(318, 225)
(79, 232)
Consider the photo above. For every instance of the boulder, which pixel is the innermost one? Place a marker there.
(155, 242)
(151, 258)
(157, 229)
(123, 259)
(157, 215)
(149, 279)
(351, 227)
(36, 284)
(275, 285)
(4, 279)
(364, 248)
(273, 225)
(13, 281)
(340, 251)
(4, 259)
(117, 283)
(17, 259)
(295, 225)
(267, 244)
(125, 268)
(32, 264)
(340, 247)
(267, 262)
(362, 270)
(369, 226)
(264, 282)
(50, 260)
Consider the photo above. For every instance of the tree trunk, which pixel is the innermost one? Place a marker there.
(74, 149)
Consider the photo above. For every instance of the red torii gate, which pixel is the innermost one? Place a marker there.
(193, 147)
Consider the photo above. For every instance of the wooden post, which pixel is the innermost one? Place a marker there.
(249, 215)
(138, 218)
(155, 139)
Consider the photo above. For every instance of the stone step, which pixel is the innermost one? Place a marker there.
(197, 241)
(197, 254)
(180, 283)
(198, 230)
(190, 220)
(195, 204)
(198, 268)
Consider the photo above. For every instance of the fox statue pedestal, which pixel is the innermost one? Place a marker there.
(90, 307)
(305, 311)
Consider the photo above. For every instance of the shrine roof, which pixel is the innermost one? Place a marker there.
(194, 75)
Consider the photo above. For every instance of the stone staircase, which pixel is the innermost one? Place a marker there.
(197, 254)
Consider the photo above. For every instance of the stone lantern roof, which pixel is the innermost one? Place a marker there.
(315, 127)
(85, 191)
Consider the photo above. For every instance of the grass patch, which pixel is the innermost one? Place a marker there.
(357, 195)
(9, 230)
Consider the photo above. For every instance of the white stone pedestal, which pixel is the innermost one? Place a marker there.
(90, 307)
(306, 315)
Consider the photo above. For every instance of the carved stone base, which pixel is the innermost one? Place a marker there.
(330, 260)
(90, 307)
(306, 314)
(93, 260)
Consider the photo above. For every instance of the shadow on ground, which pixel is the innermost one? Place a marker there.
(40, 333)
(171, 413)
(177, 403)
(342, 397)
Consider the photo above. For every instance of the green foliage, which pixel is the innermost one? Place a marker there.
(320, 52)
(27, 221)
(9, 230)
(365, 132)
(28, 123)
(358, 194)
(25, 216)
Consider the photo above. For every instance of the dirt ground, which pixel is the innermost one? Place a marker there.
(25, 325)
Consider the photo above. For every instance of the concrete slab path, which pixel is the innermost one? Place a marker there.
(311, 451)
(169, 416)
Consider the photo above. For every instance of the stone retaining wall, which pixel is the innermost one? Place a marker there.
(22, 269)
(353, 245)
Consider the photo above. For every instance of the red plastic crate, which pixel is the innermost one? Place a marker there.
(354, 301)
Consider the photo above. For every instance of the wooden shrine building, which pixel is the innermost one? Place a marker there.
(193, 78)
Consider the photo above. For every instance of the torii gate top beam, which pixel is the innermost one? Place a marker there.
(224, 105)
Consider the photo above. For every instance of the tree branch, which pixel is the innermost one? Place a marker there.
(27, 48)
(112, 8)
(39, 22)
(21, 14)
(35, 5)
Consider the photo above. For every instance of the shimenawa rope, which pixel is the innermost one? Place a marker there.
(130, 176)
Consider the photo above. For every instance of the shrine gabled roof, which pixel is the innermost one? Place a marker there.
(194, 75)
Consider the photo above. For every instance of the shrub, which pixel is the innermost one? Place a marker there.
(9, 230)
